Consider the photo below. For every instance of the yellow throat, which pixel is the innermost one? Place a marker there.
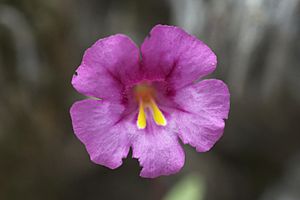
(145, 97)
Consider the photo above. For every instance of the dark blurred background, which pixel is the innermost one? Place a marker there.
(258, 48)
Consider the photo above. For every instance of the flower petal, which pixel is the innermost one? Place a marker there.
(106, 67)
(95, 124)
(171, 53)
(158, 151)
(206, 105)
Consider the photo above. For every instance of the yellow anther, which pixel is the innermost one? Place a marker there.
(141, 121)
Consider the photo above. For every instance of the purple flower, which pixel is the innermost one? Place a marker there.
(147, 101)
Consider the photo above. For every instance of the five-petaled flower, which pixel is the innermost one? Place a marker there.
(148, 101)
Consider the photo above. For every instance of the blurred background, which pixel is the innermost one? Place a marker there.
(258, 48)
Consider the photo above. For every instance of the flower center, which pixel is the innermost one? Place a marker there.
(145, 96)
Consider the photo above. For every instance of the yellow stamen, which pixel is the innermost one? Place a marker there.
(141, 121)
(158, 116)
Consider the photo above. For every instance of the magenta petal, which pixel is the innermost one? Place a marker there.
(207, 105)
(171, 53)
(95, 124)
(106, 67)
(158, 152)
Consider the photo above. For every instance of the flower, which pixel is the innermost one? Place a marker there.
(148, 101)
